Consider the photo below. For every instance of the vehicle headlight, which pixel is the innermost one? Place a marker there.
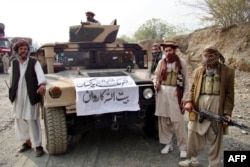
(55, 92)
(148, 93)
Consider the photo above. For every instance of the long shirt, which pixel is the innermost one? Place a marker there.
(166, 99)
(22, 107)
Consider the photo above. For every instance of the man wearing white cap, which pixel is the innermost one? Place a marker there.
(90, 19)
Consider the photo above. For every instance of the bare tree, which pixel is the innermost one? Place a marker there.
(223, 12)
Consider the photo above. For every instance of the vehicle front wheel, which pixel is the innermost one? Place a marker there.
(151, 123)
(56, 130)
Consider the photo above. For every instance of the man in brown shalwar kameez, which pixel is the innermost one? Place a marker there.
(212, 89)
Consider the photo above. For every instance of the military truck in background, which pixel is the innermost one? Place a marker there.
(5, 45)
(94, 82)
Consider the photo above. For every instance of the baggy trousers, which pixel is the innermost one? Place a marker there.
(29, 129)
(167, 130)
(196, 143)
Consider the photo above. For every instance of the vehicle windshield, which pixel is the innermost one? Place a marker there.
(96, 59)
(4, 43)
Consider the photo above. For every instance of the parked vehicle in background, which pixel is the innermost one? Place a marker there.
(94, 82)
(5, 46)
(2, 27)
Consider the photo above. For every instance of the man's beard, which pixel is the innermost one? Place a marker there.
(90, 19)
(23, 56)
(171, 58)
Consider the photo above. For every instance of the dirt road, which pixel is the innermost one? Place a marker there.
(128, 147)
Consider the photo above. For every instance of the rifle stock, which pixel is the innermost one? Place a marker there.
(204, 114)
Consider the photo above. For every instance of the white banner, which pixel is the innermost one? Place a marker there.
(106, 94)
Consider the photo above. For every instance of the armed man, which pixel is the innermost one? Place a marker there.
(212, 90)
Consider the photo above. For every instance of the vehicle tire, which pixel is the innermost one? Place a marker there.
(56, 130)
(151, 123)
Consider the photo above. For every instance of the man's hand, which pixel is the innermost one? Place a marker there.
(189, 107)
(157, 87)
(228, 117)
(41, 90)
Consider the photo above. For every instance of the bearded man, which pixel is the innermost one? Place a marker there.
(27, 84)
(90, 19)
(171, 84)
(212, 89)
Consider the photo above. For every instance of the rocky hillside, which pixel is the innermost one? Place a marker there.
(233, 42)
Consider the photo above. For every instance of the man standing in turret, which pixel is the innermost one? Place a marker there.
(90, 19)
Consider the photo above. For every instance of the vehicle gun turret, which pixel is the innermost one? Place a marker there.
(94, 33)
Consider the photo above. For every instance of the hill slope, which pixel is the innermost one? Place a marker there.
(233, 42)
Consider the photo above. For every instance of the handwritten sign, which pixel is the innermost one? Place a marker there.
(98, 95)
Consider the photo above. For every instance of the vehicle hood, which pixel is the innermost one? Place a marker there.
(64, 81)
(139, 75)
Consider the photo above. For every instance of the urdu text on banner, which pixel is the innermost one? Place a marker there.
(98, 95)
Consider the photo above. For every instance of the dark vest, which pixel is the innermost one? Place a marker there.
(31, 81)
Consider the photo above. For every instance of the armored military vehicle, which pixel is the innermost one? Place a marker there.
(94, 82)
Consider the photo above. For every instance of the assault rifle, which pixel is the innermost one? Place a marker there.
(213, 118)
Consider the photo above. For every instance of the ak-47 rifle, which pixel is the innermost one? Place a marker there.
(221, 119)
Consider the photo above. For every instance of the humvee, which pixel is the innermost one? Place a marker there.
(94, 82)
